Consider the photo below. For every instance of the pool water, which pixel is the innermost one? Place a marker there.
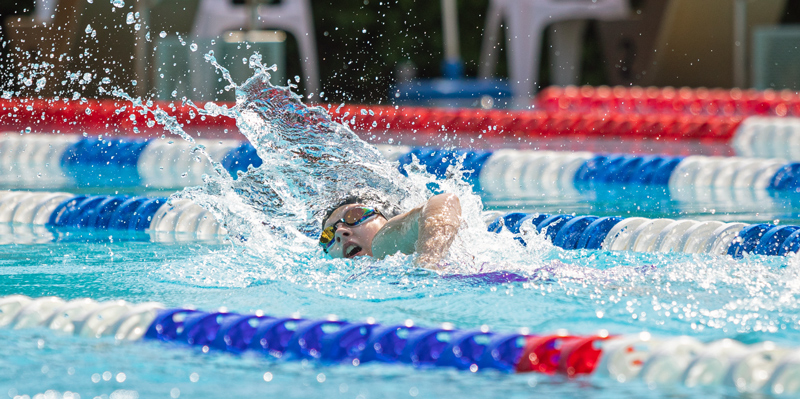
(752, 300)
(271, 264)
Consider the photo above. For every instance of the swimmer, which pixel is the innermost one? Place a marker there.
(358, 227)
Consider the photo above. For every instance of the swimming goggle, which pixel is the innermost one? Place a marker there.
(352, 218)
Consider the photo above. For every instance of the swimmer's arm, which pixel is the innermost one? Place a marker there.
(399, 234)
(438, 225)
(428, 230)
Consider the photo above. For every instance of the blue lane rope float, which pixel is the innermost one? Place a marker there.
(157, 215)
(761, 367)
(115, 212)
(43, 161)
(654, 235)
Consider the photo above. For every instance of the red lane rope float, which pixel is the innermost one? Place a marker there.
(669, 100)
(110, 117)
(115, 118)
(561, 353)
(540, 124)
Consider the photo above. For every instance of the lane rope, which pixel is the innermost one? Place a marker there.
(72, 161)
(761, 367)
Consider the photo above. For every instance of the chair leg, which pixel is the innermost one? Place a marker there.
(523, 55)
(491, 39)
(308, 58)
(297, 19)
(565, 51)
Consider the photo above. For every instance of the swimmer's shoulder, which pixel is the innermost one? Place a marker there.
(399, 234)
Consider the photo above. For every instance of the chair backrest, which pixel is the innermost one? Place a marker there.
(680, 42)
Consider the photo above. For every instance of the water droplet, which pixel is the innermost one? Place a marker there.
(296, 78)
(118, 3)
(88, 29)
(133, 82)
(129, 18)
(255, 60)
(88, 111)
(40, 83)
(193, 47)
(162, 34)
(106, 81)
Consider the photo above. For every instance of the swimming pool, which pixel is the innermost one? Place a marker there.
(752, 299)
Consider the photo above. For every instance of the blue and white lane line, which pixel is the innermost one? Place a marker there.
(507, 173)
(639, 234)
(56, 161)
(64, 161)
(164, 221)
(180, 220)
(759, 367)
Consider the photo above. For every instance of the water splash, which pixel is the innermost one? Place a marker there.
(310, 163)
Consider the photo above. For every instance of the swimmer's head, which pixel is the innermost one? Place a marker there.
(349, 227)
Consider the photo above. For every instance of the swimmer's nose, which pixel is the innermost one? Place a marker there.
(342, 232)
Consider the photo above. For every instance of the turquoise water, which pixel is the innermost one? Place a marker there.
(271, 264)
(752, 300)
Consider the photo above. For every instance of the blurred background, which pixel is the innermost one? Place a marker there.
(384, 51)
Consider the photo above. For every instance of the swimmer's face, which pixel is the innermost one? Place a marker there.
(352, 241)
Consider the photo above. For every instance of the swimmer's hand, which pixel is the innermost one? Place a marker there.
(428, 230)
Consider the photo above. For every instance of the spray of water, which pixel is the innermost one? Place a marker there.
(310, 163)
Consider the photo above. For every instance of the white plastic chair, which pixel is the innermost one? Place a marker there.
(214, 17)
(525, 22)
